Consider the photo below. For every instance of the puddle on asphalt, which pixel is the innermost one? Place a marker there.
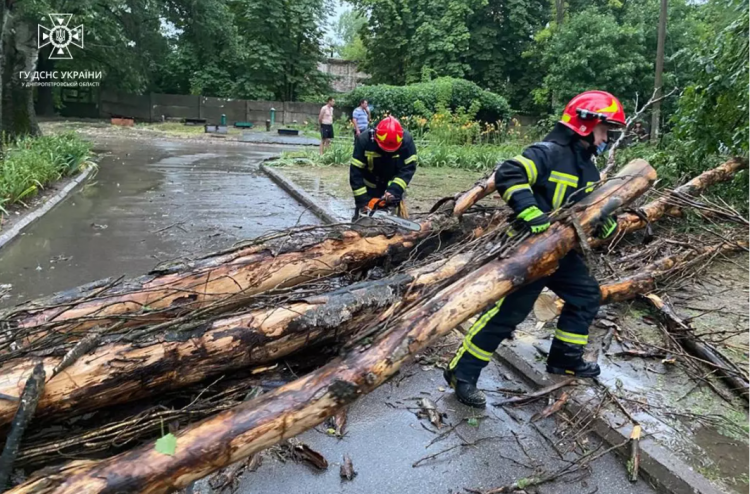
(151, 201)
(728, 458)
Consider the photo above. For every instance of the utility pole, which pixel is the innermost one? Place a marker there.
(656, 111)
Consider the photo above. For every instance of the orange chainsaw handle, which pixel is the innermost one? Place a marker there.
(376, 203)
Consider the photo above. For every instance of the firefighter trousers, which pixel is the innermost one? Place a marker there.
(572, 282)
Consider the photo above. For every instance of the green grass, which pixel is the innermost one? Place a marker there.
(31, 163)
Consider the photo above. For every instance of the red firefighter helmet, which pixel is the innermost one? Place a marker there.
(590, 108)
(389, 134)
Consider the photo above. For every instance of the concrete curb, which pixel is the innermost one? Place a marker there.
(53, 201)
(300, 195)
(662, 468)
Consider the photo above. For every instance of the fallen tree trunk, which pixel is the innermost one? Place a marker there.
(684, 333)
(306, 402)
(648, 277)
(219, 282)
(125, 371)
(654, 210)
(122, 372)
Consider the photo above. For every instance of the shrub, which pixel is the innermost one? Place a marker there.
(426, 98)
(479, 157)
(31, 163)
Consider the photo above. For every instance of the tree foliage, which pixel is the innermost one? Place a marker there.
(426, 98)
(409, 41)
(712, 115)
(348, 28)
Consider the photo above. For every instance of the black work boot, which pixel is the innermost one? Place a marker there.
(567, 359)
(466, 392)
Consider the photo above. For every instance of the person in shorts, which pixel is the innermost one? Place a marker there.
(325, 119)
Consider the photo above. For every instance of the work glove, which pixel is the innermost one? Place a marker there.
(534, 220)
(391, 199)
(607, 229)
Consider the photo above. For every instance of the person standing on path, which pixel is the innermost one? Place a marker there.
(360, 118)
(542, 179)
(325, 119)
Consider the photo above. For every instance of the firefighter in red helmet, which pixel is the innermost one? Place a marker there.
(383, 163)
(547, 175)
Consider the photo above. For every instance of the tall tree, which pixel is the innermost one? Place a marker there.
(348, 27)
(712, 116)
(659, 69)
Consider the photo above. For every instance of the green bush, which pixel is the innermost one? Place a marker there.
(479, 157)
(425, 98)
(31, 163)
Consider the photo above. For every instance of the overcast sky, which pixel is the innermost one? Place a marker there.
(340, 7)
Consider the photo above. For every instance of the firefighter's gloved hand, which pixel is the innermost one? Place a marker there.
(390, 199)
(534, 220)
(607, 229)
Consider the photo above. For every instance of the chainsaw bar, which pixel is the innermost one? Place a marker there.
(403, 223)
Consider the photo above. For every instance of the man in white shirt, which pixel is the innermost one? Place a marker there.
(325, 119)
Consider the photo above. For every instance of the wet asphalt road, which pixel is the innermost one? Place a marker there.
(384, 438)
(150, 201)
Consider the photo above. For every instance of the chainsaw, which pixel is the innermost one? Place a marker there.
(378, 210)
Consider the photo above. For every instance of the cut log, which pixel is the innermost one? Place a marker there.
(483, 188)
(222, 281)
(237, 433)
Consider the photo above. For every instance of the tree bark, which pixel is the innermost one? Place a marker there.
(224, 281)
(684, 334)
(662, 35)
(120, 372)
(648, 277)
(237, 433)
(45, 101)
(628, 222)
(20, 54)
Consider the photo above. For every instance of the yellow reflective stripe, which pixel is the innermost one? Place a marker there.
(572, 338)
(515, 188)
(590, 186)
(410, 159)
(477, 352)
(370, 184)
(400, 182)
(530, 166)
(557, 198)
(468, 345)
(457, 358)
(357, 163)
(360, 192)
(371, 155)
(565, 178)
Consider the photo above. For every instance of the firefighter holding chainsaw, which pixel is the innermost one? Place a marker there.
(547, 175)
(383, 163)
